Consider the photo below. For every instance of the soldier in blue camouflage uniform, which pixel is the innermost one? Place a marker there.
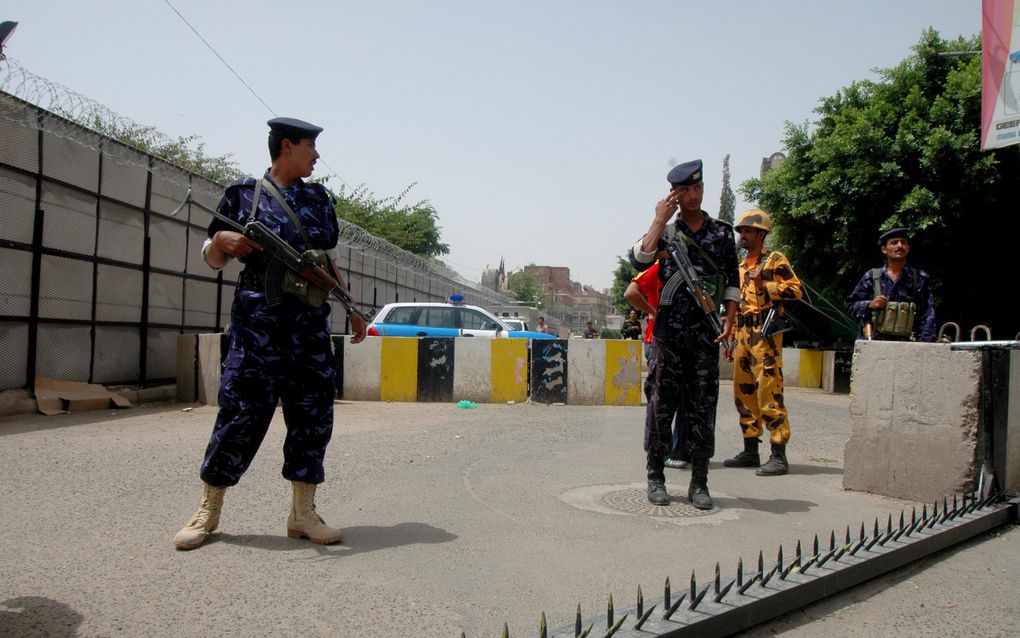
(277, 353)
(897, 282)
(684, 369)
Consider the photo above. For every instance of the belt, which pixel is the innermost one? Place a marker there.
(252, 279)
(749, 320)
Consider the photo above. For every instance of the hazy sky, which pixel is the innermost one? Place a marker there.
(541, 131)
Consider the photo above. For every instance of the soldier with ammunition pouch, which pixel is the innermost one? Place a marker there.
(280, 347)
(698, 266)
(895, 302)
(766, 281)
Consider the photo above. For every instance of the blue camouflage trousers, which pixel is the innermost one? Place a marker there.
(683, 380)
(276, 354)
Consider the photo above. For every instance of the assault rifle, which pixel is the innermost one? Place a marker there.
(283, 257)
(687, 276)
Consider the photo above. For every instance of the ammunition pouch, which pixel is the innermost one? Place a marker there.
(896, 319)
(716, 286)
(297, 286)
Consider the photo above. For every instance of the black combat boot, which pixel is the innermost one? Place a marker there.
(777, 464)
(657, 492)
(748, 458)
(697, 493)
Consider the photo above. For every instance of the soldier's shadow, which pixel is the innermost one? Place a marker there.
(356, 539)
(38, 616)
(773, 505)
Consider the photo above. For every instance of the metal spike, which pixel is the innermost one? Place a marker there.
(761, 566)
(747, 585)
(815, 547)
(577, 622)
(945, 507)
(797, 556)
(615, 628)
(725, 590)
(463, 635)
(694, 586)
(924, 512)
(824, 559)
(875, 534)
(872, 543)
(609, 612)
(640, 602)
(696, 600)
(954, 505)
(506, 631)
(808, 563)
(543, 631)
(666, 594)
(848, 533)
(643, 618)
(905, 530)
(832, 540)
(901, 520)
(888, 525)
(716, 584)
(675, 606)
(779, 559)
(740, 571)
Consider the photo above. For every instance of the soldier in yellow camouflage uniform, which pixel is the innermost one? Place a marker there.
(766, 280)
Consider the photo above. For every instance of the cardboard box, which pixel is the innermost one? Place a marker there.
(59, 396)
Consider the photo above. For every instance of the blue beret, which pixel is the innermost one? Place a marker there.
(895, 233)
(686, 174)
(293, 129)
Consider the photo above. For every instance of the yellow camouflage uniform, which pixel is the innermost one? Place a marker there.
(758, 362)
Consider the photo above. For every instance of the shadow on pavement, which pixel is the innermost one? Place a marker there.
(28, 616)
(772, 505)
(356, 540)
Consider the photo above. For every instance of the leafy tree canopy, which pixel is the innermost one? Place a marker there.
(621, 278)
(525, 288)
(727, 201)
(902, 150)
(412, 227)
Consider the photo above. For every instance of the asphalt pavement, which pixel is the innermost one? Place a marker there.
(454, 520)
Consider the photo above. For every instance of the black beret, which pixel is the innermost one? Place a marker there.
(895, 233)
(293, 129)
(686, 174)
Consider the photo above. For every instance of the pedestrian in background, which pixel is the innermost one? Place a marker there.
(643, 293)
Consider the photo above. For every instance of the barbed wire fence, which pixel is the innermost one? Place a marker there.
(94, 116)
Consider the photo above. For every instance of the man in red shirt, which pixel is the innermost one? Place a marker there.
(643, 294)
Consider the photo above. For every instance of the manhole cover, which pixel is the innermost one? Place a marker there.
(635, 501)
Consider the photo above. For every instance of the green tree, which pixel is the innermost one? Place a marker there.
(525, 287)
(727, 201)
(412, 227)
(902, 150)
(621, 278)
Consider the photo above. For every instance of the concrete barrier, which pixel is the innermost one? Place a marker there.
(915, 410)
(581, 372)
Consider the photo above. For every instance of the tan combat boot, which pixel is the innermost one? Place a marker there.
(304, 521)
(205, 521)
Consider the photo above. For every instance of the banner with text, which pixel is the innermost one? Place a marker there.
(1000, 73)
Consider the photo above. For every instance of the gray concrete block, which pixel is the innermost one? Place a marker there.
(914, 411)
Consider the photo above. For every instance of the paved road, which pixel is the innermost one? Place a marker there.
(454, 520)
